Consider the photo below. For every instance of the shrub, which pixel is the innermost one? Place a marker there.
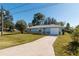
(21, 25)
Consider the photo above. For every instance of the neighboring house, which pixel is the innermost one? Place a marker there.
(46, 29)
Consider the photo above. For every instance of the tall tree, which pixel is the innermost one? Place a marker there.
(45, 22)
(29, 24)
(7, 18)
(67, 26)
(49, 20)
(53, 21)
(61, 23)
(38, 19)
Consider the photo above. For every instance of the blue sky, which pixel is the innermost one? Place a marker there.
(61, 12)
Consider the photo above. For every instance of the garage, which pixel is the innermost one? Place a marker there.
(54, 31)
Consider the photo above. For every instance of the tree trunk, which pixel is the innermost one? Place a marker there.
(21, 31)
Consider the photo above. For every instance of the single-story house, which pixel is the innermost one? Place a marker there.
(46, 29)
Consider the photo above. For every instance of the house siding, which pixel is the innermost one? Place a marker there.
(49, 30)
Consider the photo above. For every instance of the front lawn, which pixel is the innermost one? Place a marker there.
(59, 44)
(13, 39)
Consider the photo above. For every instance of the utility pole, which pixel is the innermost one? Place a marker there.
(1, 20)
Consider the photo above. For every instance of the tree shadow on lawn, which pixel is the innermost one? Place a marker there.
(15, 33)
(11, 33)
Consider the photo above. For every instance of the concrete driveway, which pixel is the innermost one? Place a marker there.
(40, 47)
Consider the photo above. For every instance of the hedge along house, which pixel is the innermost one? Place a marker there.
(46, 29)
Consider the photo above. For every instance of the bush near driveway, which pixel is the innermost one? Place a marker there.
(60, 43)
(68, 44)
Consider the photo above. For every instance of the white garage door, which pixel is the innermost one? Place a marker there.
(54, 31)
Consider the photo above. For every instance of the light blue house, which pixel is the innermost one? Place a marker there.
(46, 29)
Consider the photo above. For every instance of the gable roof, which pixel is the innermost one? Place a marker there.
(46, 26)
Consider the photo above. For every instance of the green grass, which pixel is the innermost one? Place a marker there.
(13, 39)
(61, 41)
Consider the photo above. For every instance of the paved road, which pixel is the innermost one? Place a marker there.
(40, 47)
